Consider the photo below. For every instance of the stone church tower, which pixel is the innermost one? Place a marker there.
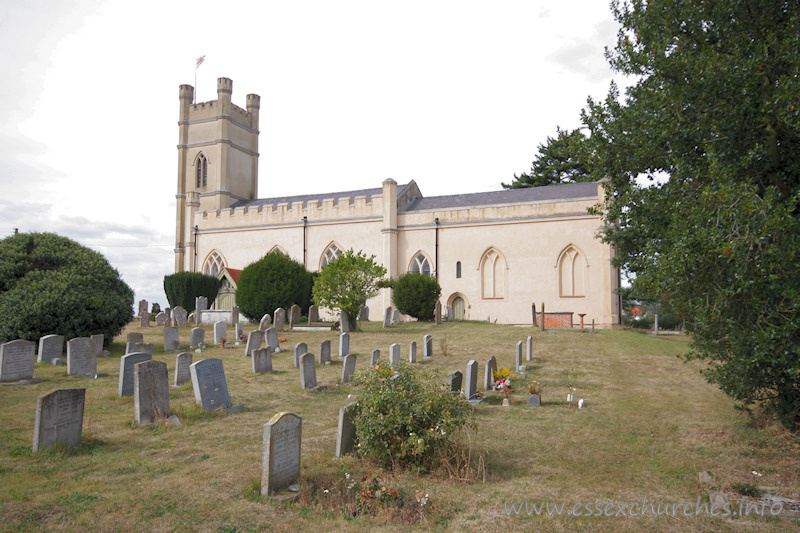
(217, 161)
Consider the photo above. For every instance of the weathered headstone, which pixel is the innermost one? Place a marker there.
(533, 313)
(220, 331)
(143, 307)
(280, 452)
(376, 356)
(279, 319)
(395, 317)
(344, 322)
(344, 344)
(79, 358)
(348, 367)
(16, 360)
(491, 368)
(518, 356)
(450, 315)
(126, 362)
(130, 347)
(197, 338)
(50, 347)
(180, 316)
(135, 336)
(162, 318)
(97, 345)
(529, 352)
(363, 313)
(266, 321)
(200, 305)
(308, 371)
(454, 380)
(182, 363)
(394, 354)
(210, 386)
(437, 313)
(471, 381)
(427, 346)
(346, 432)
(172, 339)
(294, 315)
(146, 347)
(254, 339)
(59, 418)
(325, 352)
(412, 352)
(313, 314)
(387, 317)
(144, 320)
(150, 392)
(300, 349)
(235, 314)
(238, 330)
(272, 339)
(262, 360)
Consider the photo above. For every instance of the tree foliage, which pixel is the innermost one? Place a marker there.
(704, 159)
(567, 158)
(415, 294)
(52, 285)
(182, 288)
(273, 281)
(347, 283)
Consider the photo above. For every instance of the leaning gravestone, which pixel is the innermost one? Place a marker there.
(395, 317)
(272, 339)
(197, 337)
(172, 339)
(344, 344)
(529, 352)
(344, 322)
(313, 314)
(180, 316)
(182, 362)
(376, 356)
(471, 382)
(394, 354)
(150, 392)
(210, 387)
(97, 345)
(300, 349)
(262, 360)
(308, 371)
(79, 358)
(16, 360)
(294, 315)
(50, 347)
(518, 356)
(279, 321)
(280, 452)
(454, 380)
(126, 362)
(387, 317)
(325, 353)
(346, 432)
(254, 339)
(491, 368)
(427, 346)
(412, 352)
(265, 322)
(135, 336)
(220, 331)
(59, 418)
(162, 318)
(348, 367)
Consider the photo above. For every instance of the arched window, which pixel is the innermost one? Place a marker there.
(572, 273)
(201, 171)
(493, 275)
(278, 249)
(420, 265)
(331, 254)
(213, 264)
(458, 269)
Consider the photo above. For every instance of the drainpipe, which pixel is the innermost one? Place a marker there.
(305, 240)
(196, 230)
(436, 266)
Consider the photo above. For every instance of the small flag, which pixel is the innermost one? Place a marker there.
(200, 61)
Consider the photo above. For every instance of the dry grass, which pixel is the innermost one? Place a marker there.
(651, 423)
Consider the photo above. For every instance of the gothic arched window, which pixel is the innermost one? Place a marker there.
(213, 264)
(420, 265)
(572, 273)
(331, 254)
(201, 171)
(493, 275)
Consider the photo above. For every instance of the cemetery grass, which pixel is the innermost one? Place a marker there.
(650, 424)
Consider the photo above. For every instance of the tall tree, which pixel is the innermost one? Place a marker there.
(714, 122)
(563, 159)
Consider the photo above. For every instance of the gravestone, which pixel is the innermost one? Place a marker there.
(254, 339)
(427, 346)
(395, 317)
(59, 418)
(146, 347)
(279, 321)
(126, 362)
(135, 336)
(325, 353)
(533, 314)
(308, 371)
(344, 344)
(387, 317)
(197, 338)
(220, 331)
(238, 330)
(518, 357)
(299, 349)
(210, 387)
(144, 320)
(143, 307)
(313, 314)
(449, 313)
(79, 357)
(16, 360)
(346, 432)
(348, 367)
(50, 347)
(294, 315)
(280, 452)
(529, 352)
(266, 321)
(262, 360)
(172, 339)
(454, 380)
(162, 318)
(130, 347)
(179, 316)
(200, 305)
(344, 322)
(97, 345)
(437, 313)
(272, 339)
(363, 313)
(150, 392)
(412, 352)
(491, 368)
(182, 363)
(235, 314)
(376, 356)
(394, 354)
(471, 381)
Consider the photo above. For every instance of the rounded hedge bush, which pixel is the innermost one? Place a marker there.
(182, 288)
(52, 285)
(416, 295)
(273, 281)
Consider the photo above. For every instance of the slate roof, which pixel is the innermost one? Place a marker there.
(550, 193)
(305, 198)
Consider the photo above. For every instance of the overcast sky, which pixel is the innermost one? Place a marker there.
(456, 95)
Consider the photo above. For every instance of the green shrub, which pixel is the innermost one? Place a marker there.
(182, 288)
(273, 281)
(416, 294)
(52, 285)
(406, 416)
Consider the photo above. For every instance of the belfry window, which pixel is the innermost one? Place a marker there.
(201, 170)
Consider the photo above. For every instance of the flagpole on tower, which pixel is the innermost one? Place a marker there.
(199, 62)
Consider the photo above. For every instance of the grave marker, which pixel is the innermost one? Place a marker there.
(346, 432)
(348, 367)
(387, 317)
(16, 360)
(59, 418)
(344, 344)
(395, 317)
(394, 354)
(279, 321)
(437, 313)
(220, 331)
(182, 362)
(265, 322)
(313, 314)
(280, 452)
(180, 316)
(97, 345)
(146, 347)
(363, 313)
(210, 387)
(471, 382)
(308, 371)
(272, 339)
(197, 337)
(294, 315)
(454, 380)
(79, 358)
(172, 339)
(344, 322)
(376, 356)
(162, 318)
(254, 339)
(325, 353)
(427, 346)
(262, 360)
(235, 314)
(126, 362)
(50, 347)
(518, 357)
(412, 352)
(238, 330)
(150, 392)
(135, 336)
(491, 368)
(299, 349)
(529, 352)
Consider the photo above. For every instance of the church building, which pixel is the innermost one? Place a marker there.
(494, 253)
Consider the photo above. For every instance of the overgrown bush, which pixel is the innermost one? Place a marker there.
(182, 288)
(273, 281)
(416, 294)
(52, 285)
(407, 415)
